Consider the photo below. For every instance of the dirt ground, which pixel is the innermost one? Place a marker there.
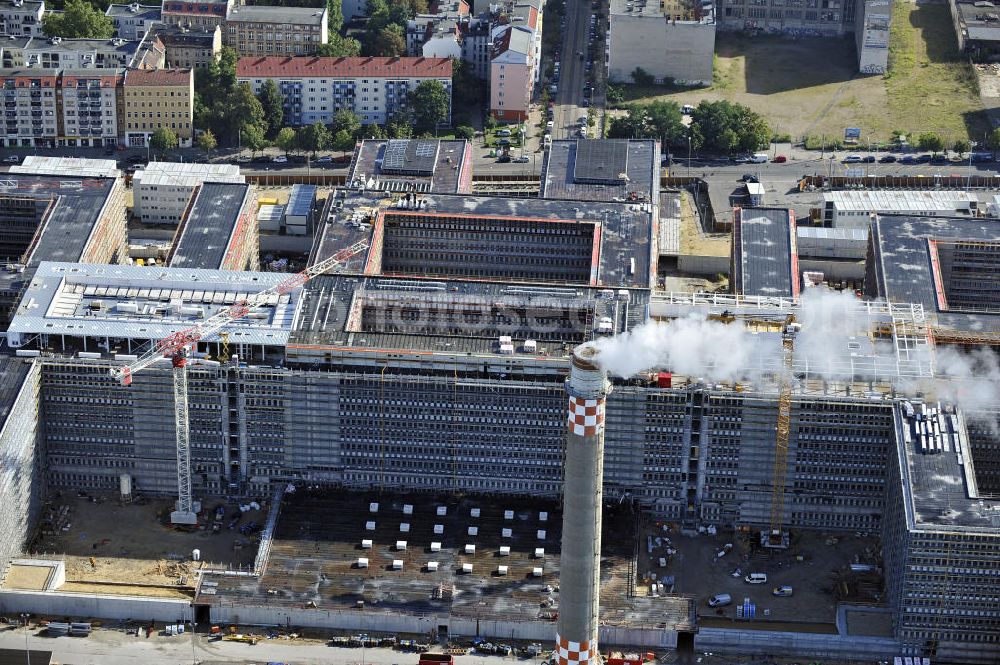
(697, 570)
(810, 87)
(133, 544)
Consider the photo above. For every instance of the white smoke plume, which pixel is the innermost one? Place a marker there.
(970, 379)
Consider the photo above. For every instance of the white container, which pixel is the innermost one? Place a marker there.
(506, 533)
(473, 530)
(474, 512)
(470, 549)
(432, 566)
(400, 545)
(196, 555)
(505, 550)
(397, 564)
(543, 516)
(407, 509)
(508, 514)
(530, 346)
(466, 568)
(541, 534)
(501, 570)
(366, 544)
(442, 511)
(362, 562)
(404, 527)
(435, 547)
(373, 507)
(439, 528)
(369, 526)
(536, 572)
(539, 552)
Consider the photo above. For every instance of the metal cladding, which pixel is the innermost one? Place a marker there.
(580, 571)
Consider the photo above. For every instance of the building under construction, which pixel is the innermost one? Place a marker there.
(426, 367)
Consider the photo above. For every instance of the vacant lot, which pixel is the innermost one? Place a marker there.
(811, 86)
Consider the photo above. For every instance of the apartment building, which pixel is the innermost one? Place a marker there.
(21, 18)
(196, 15)
(59, 53)
(672, 41)
(163, 190)
(30, 110)
(512, 72)
(133, 21)
(189, 49)
(266, 31)
(152, 99)
(89, 107)
(316, 88)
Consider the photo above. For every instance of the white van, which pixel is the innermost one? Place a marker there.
(759, 158)
(756, 578)
(720, 600)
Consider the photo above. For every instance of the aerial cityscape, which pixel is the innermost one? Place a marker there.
(571, 332)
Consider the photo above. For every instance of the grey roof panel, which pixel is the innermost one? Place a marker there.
(209, 226)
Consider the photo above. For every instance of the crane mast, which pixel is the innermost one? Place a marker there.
(177, 347)
(776, 537)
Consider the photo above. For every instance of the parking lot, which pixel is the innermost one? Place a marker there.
(816, 565)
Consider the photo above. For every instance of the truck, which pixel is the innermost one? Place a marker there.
(436, 659)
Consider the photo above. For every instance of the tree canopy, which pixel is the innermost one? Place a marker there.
(930, 141)
(273, 103)
(79, 19)
(206, 141)
(724, 128)
(286, 139)
(163, 139)
(660, 120)
(226, 108)
(339, 47)
(429, 105)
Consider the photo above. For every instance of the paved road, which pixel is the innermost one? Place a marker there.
(569, 99)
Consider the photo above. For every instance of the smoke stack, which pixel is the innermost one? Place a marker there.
(579, 564)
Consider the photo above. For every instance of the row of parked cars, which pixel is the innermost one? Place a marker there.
(937, 158)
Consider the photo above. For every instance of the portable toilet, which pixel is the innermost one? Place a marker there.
(536, 572)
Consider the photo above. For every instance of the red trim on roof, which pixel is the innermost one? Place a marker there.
(307, 66)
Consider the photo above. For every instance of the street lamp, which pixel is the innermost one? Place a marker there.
(27, 651)
(689, 156)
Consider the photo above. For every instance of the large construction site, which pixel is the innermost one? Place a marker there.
(405, 399)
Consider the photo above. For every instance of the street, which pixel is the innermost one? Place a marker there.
(569, 99)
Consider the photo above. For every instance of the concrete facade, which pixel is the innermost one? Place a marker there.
(871, 34)
(163, 190)
(667, 48)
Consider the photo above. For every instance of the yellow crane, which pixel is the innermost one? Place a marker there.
(775, 535)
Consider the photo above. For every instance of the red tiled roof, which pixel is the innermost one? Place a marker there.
(305, 66)
(158, 77)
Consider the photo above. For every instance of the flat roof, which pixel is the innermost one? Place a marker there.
(77, 204)
(17, 657)
(210, 226)
(277, 14)
(939, 489)
(601, 162)
(975, 19)
(903, 267)
(75, 167)
(563, 158)
(420, 165)
(765, 259)
(301, 200)
(881, 200)
(625, 241)
(147, 303)
(186, 174)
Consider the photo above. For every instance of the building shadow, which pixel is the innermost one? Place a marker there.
(780, 63)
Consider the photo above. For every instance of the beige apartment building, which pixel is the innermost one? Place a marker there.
(190, 49)
(268, 31)
(157, 98)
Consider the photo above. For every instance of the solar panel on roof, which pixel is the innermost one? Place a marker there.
(410, 157)
(601, 162)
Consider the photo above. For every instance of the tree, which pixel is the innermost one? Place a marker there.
(346, 120)
(961, 146)
(429, 104)
(163, 139)
(930, 141)
(465, 132)
(287, 140)
(399, 128)
(273, 103)
(642, 77)
(313, 137)
(491, 122)
(339, 47)
(335, 16)
(239, 111)
(228, 58)
(388, 42)
(80, 19)
(370, 132)
(632, 125)
(206, 141)
(614, 95)
(724, 128)
(344, 141)
(253, 138)
(993, 140)
(667, 123)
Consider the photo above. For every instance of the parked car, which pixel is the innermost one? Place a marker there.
(720, 600)
(756, 578)
(279, 159)
(550, 124)
(887, 159)
(503, 159)
(503, 132)
(907, 159)
(923, 159)
(13, 159)
(749, 177)
(325, 159)
(853, 159)
(742, 159)
(243, 159)
(780, 159)
(868, 159)
(782, 591)
(523, 159)
(939, 158)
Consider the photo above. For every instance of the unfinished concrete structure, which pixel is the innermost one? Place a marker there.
(218, 230)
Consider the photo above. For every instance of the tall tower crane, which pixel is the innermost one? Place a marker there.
(775, 537)
(179, 344)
